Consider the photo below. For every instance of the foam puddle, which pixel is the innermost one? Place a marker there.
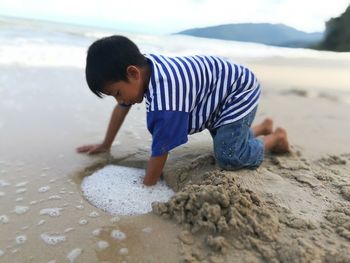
(119, 190)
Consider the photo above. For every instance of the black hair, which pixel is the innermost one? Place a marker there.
(107, 60)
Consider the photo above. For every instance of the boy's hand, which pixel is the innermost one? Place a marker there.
(154, 169)
(93, 149)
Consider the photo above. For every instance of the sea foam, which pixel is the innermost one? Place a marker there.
(4, 183)
(4, 219)
(117, 234)
(21, 190)
(120, 191)
(96, 232)
(102, 244)
(21, 184)
(53, 212)
(19, 210)
(44, 189)
(21, 239)
(123, 251)
(72, 256)
(52, 239)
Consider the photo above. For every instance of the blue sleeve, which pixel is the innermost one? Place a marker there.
(168, 129)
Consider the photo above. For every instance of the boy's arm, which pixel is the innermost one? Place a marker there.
(154, 169)
(117, 118)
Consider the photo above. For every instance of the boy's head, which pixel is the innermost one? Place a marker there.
(110, 60)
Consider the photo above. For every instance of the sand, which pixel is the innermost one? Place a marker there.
(282, 212)
(294, 208)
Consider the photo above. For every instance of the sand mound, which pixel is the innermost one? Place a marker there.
(119, 190)
(278, 213)
(221, 209)
(220, 205)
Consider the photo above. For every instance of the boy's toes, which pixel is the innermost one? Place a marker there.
(268, 126)
(280, 132)
(282, 145)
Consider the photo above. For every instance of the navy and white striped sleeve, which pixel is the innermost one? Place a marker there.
(168, 128)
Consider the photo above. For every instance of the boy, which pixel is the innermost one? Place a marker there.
(183, 95)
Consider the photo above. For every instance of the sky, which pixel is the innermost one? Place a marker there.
(164, 17)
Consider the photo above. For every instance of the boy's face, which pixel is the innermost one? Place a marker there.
(127, 92)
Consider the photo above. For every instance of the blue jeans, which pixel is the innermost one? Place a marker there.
(235, 146)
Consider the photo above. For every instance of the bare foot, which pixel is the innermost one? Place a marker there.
(264, 128)
(281, 141)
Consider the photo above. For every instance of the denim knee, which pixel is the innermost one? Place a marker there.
(235, 146)
(228, 162)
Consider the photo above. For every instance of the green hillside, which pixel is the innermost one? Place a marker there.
(265, 33)
(337, 35)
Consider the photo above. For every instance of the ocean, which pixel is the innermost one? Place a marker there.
(39, 43)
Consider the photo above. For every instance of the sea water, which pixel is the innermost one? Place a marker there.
(51, 44)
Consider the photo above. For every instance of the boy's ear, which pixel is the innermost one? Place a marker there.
(133, 72)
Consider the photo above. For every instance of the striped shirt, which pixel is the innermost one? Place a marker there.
(189, 94)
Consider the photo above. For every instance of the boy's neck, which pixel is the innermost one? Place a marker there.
(146, 76)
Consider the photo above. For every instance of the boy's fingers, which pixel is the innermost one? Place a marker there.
(81, 149)
(90, 149)
(93, 151)
(84, 148)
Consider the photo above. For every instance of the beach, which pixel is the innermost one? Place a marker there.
(294, 208)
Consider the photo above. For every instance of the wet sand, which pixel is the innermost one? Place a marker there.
(294, 208)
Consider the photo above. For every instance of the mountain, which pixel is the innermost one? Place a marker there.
(337, 35)
(265, 33)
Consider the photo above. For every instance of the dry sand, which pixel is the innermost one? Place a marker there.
(294, 208)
